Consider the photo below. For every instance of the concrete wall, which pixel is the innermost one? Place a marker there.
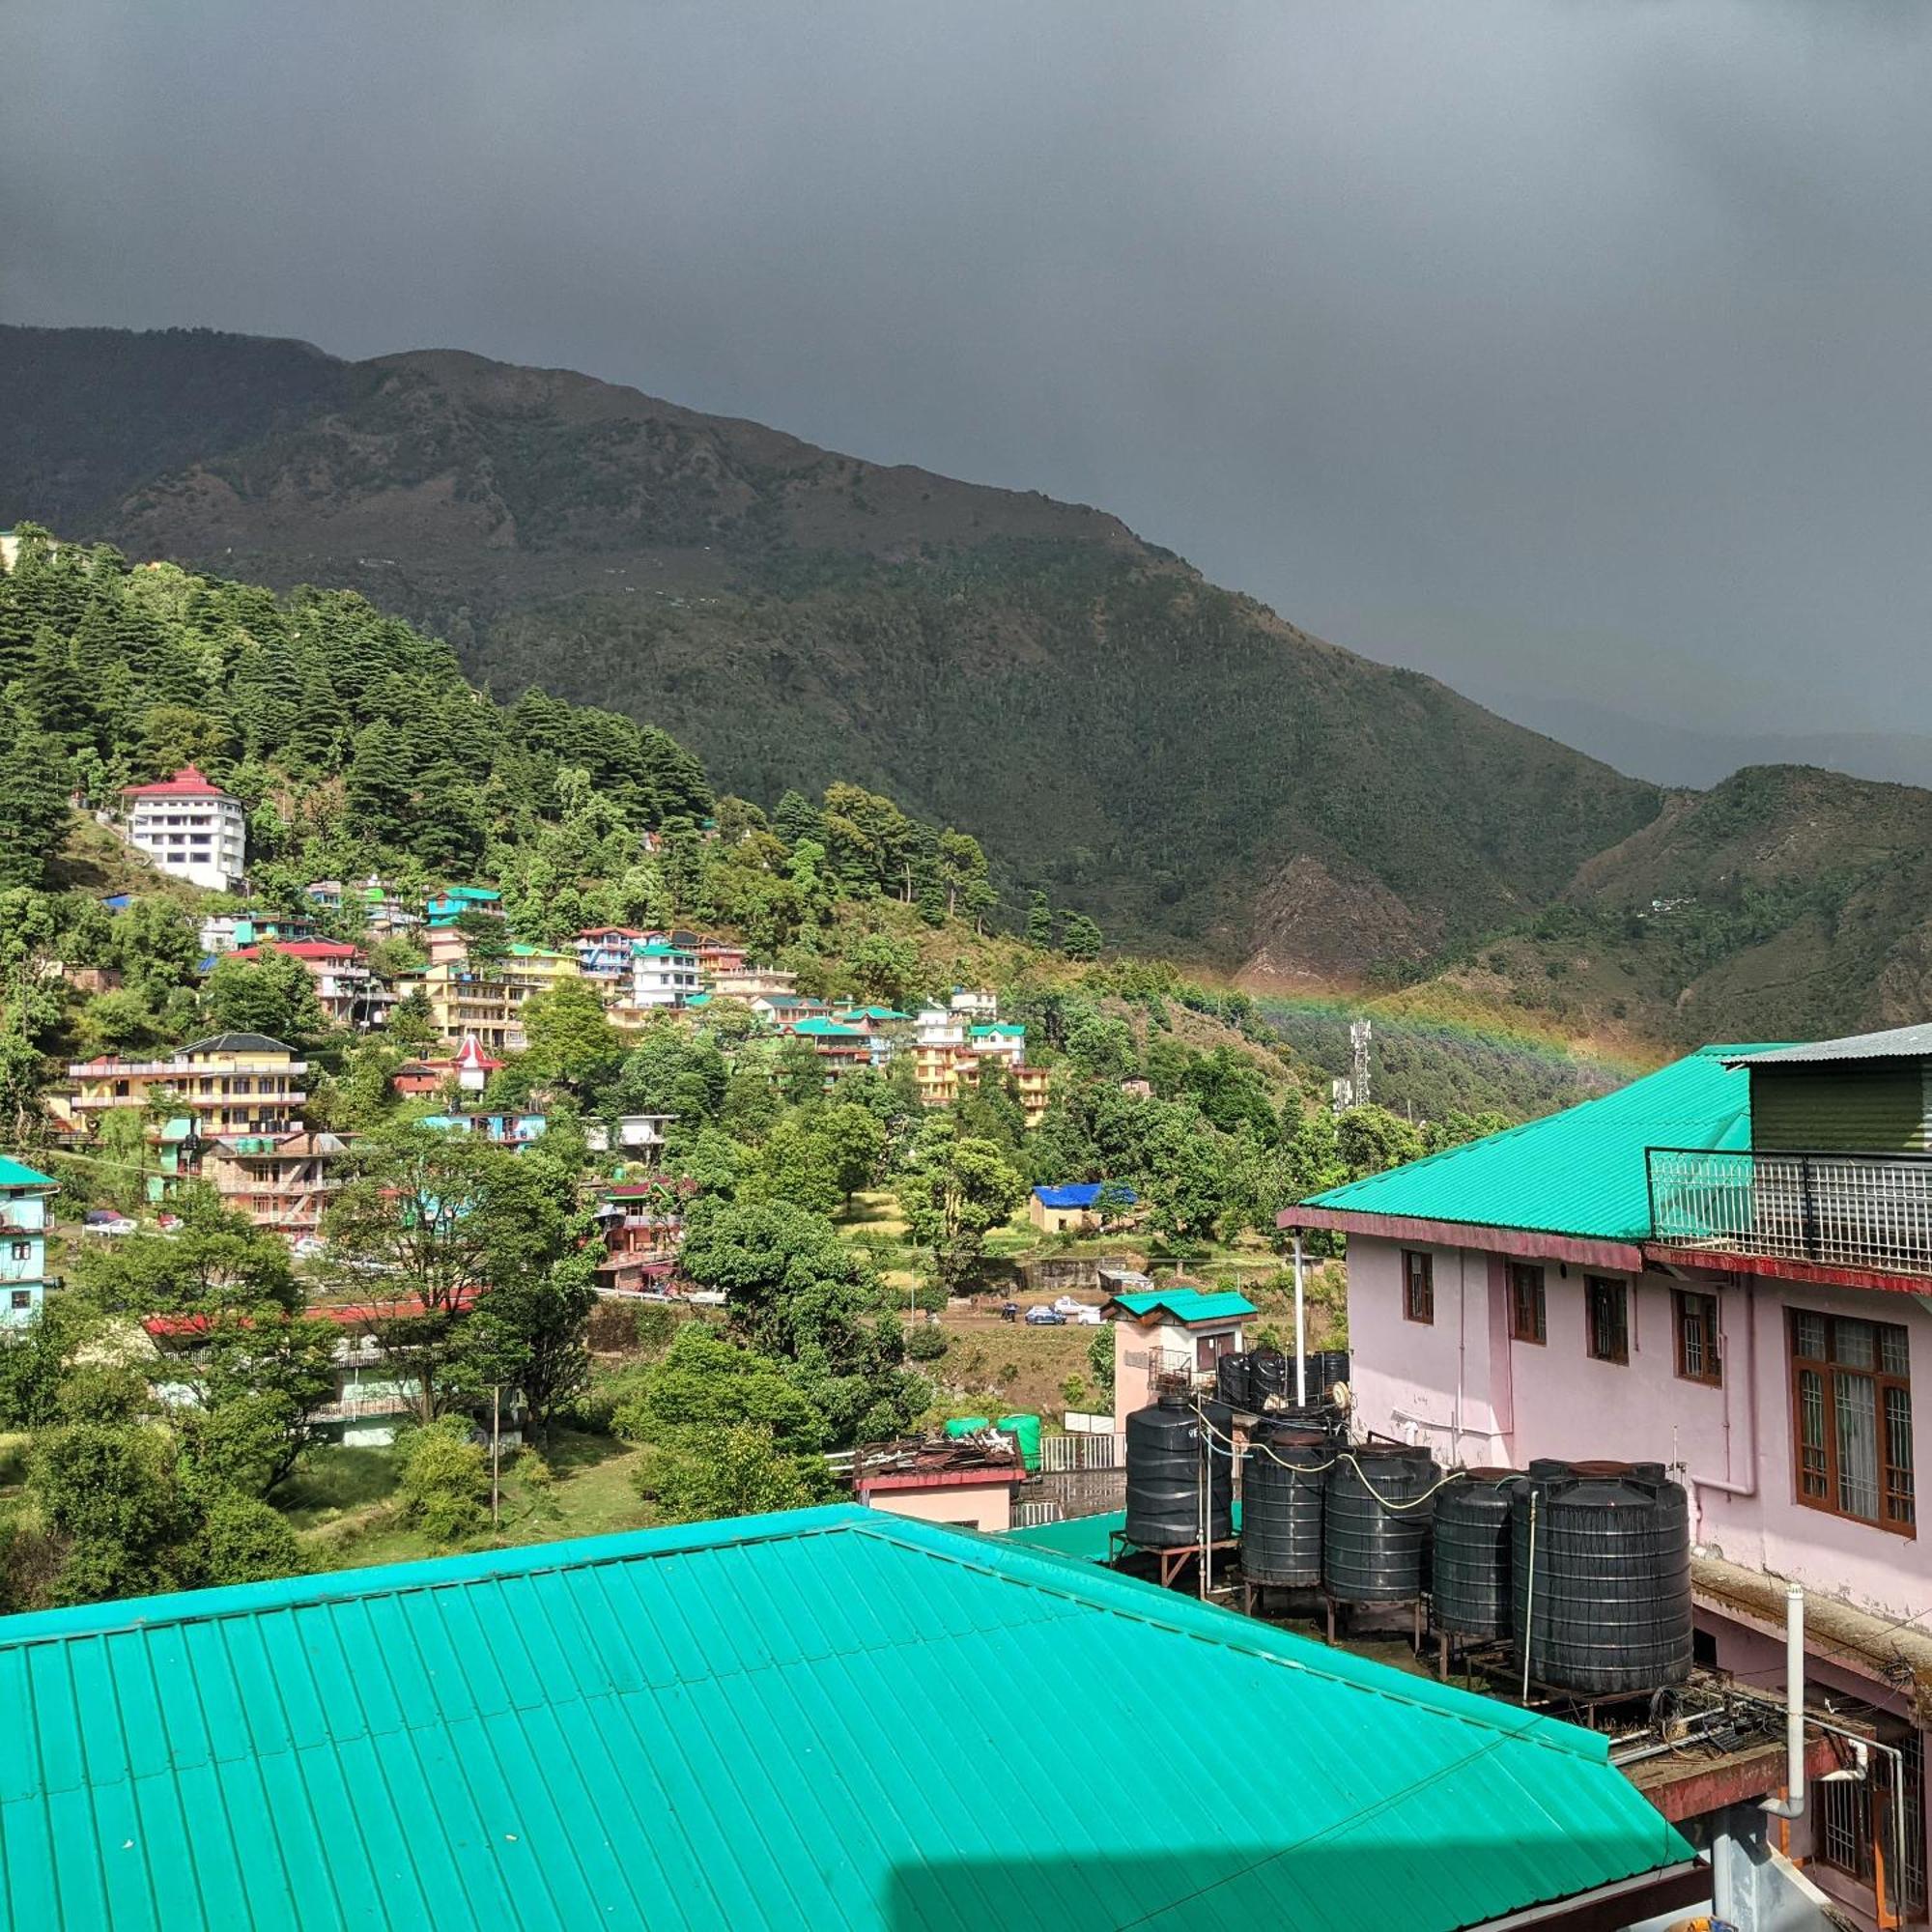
(988, 1506)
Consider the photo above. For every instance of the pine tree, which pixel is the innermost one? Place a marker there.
(33, 799)
(378, 786)
(797, 817)
(1039, 922)
(321, 724)
(1079, 936)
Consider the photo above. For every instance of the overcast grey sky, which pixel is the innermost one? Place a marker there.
(1578, 353)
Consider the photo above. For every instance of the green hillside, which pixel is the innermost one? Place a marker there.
(1192, 768)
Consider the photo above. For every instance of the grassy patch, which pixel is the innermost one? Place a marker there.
(342, 1506)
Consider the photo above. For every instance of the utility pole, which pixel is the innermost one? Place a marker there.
(495, 1446)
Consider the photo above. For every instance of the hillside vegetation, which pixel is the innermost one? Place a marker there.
(1184, 763)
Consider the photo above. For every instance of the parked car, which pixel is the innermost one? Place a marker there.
(1069, 1305)
(101, 1222)
(1088, 1318)
(1046, 1318)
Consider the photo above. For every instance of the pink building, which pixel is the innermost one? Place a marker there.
(964, 1485)
(1726, 1267)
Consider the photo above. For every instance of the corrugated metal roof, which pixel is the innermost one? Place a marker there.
(807, 1719)
(1186, 1304)
(17, 1174)
(1578, 1172)
(1909, 1043)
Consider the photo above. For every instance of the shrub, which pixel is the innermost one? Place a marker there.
(243, 1541)
(656, 1328)
(925, 1344)
(442, 1479)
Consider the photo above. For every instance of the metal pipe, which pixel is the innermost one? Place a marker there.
(1730, 1486)
(1792, 1804)
(1529, 1600)
(1300, 1332)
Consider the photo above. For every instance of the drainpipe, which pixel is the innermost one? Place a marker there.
(1730, 1486)
(1300, 1332)
(1792, 1804)
(1461, 1349)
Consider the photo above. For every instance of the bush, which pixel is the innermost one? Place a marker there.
(532, 1470)
(925, 1344)
(243, 1541)
(656, 1328)
(443, 1479)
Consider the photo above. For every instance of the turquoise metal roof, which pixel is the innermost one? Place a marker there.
(1578, 1172)
(804, 1720)
(1186, 1304)
(17, 1174)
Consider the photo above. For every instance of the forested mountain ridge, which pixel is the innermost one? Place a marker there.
(1176, 757)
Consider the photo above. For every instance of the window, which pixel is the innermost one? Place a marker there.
(1527, 1318)
(24, 1251)
(1851, 1418)
(1607, 1305)
(1695, 1319)
(1848, 1812)
(1418, 1286)
(22, 1297)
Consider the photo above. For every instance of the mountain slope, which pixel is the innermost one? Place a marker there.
(1786, 902)
(1178, 757)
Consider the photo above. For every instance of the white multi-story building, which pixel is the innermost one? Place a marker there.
(662, 975)
(192, 828)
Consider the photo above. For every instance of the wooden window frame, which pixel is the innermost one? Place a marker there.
(1619, 1357)
(1709, 1371)
(1518, 1276)
(1897, 1502)
(1418, 1308)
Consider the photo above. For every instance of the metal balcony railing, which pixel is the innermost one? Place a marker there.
(1862, 1210)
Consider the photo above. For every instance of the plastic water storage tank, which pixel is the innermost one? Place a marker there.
(1283, 1476)
(1470, 1544)
(1165, 1445)
(1232, 1380)
(1605, 1606)
(1025, 1431)
(1375, 1524)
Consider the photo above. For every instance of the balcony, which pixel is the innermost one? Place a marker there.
(1869, 1212)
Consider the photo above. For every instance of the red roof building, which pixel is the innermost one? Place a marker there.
(191, 782)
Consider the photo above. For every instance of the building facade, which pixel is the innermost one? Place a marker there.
(281, 1183)
(230, 1084)
(190, 828)
(24, 1196)
(1725, 1268)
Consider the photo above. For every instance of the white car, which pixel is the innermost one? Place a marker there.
(119, 1224)
(1088, 1318)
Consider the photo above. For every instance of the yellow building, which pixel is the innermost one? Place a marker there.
(233, 1083)
(948, 1056)
(486, 998)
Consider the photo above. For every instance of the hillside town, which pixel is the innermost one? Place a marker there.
(965, 968)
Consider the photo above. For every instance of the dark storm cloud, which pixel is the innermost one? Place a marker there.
(1575, 351)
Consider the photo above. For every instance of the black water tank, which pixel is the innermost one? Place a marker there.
(1325, 1368)
(1375, 1523)
(1164, 1470)
(1470, 1544)
(1283, 1476)
(1604, 1608)
(1270, 1374)
(1233, 1376)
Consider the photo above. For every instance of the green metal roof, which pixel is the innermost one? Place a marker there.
(1187, 1304)
(1578, 1172)
(811, 1719)
(822, 1029)
(17, 1174)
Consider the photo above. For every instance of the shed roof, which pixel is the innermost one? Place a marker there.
(767, 1722)
(1907, 1042)
(1082, 1194)
(17, 1174)
(1580, 1172)
(1186, 1304)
